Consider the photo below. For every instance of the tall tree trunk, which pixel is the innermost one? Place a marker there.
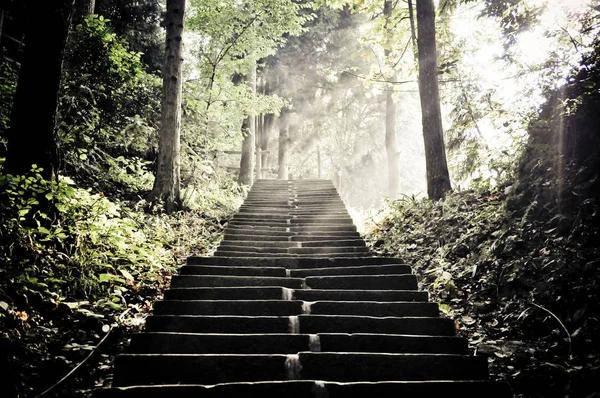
(284, 137)
(413, 30)
(168, 179)
(268, 122)
(438, 179)
(32, 135)
(391, 140)
(267, 126)
(246, 176)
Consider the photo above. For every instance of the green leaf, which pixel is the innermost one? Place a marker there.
(126, 274)
(43, 230)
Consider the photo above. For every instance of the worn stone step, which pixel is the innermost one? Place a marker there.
(279, 293)
(226, 247)
(316, 389)
(133, 369)
(179, 281)
(293, 223)
(293, 263)
(252, 234)
(275, 219)
(333, 243)
(199, 343)
(398, 269)
(290, 208)
(293, 255)
(302, 324)
(229, 307)
(300, 229)
(292, 237)
(292, 248)
(228, 293)
(280, 272)
(357, 295)
(371, 308)
(296, 307)
(259, 243)
(363, 282)
(327, 250)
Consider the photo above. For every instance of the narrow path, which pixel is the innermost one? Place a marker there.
(293, 305)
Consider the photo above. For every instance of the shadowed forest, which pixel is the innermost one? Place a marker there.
(463, 136)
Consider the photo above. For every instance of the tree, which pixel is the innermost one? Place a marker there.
(32, 134)
(438, 178)
(246, 175)
(167, 182)
(391, 141)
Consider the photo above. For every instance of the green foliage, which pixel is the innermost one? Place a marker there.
(505, 280)
(108, 110)
(75, 261)
(8, 85)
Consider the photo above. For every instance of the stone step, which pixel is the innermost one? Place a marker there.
(316, 389)
(289, 237)
(290, 249)
(292, 255)
(290, 208)
(327, 250)
(397, 269)
(362, 282)
(345, 282)
(179, 281)
(300, 229)
(295, 273)
(259, 243)
(358, 295)
(273, 219)
(293, 263)
(270, 195)
(279, 293)
(292, 211)
(258, 234)
(198, 343)
(305, 223)
(296, 307)
(302, 324)
(134, 369)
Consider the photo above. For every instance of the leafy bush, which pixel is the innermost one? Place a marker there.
(108, 110)
(524, 292)
(74, 263)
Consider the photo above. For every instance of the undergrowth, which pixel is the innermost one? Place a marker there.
(525, 293)
(79, 268)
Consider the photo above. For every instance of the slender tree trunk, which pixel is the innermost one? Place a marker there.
(267, 127)
(168, 179)
(438, 179)
(246, 176)
(413, 30)
(284, 137)
(1, 23)
(32, 135)
(319, 162)
(391, 139)
(268, 122)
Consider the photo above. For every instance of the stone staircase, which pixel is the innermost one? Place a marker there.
(293, 305)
